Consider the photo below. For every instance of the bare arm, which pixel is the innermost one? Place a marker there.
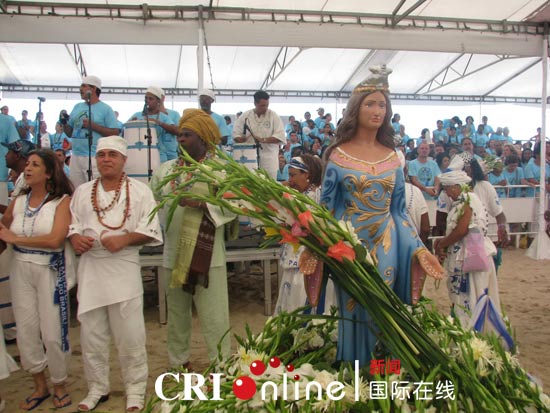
(52, 240)
(459, 232)
(116, 243)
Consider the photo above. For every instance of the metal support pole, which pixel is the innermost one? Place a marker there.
(200, 53)
(539, 253)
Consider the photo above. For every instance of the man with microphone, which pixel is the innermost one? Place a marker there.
(103, 123)
(259, 128)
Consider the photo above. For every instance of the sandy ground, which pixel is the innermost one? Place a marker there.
(524, 289)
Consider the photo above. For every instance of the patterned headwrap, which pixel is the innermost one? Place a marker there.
(376, 81)
(298, 163)
(202, 124)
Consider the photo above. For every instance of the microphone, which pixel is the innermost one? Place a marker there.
(41, 99)
(145, 107)
(88, 95)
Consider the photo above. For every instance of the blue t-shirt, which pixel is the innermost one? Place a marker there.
(532, 171)
(22, 123)
(495, 180)
(440, 135)
(222, 126)
(57, 140)
(487, 130)
(167, 143)
(8, 134)
(425, 173)
(102, 114)
(282, 175)
(480, 139)
(514, 178)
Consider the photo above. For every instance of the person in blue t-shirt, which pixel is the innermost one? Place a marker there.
(206, 98)
(514, 175)
(25, 126)
(424, 172)
(103, 123)
(119, 123)
(320, 119)
(440, 134)
(8, 134)
(163, 124)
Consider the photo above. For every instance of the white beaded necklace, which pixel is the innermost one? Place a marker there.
(32, 213)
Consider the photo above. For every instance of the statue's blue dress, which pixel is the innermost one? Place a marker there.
(372, 196)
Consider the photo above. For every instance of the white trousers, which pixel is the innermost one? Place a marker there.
(78, 170)
(125, 322)
(212, 306)
(37, 319)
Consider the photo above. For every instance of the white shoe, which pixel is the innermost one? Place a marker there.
(91, 401)
(134, 402)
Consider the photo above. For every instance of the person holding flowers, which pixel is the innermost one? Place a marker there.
(194, 248)
(364, 186)
(305, 174)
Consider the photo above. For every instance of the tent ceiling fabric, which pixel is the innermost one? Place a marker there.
(494, 48)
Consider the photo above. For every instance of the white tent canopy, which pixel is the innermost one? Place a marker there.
(314, 48)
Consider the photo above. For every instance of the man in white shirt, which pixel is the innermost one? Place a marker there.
(259, 126)
(110, 222)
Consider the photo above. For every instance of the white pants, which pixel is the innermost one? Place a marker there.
(32, 291)
(125, 322)
(212, 306)
(78, 171)
(7, 319)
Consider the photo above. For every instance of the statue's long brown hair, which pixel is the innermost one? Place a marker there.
(348, 127)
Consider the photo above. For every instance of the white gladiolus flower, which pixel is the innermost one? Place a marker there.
(316, 341)
(347, 226)
(324, 378)
(545, 400)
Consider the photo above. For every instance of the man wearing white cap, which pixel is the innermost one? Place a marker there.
(108, 232)
(164, 126)
(103, 123)
(206, 98)
(320, 120)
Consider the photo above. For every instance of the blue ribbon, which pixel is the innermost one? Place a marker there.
(61, 295)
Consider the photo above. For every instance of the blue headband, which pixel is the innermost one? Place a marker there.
(298, 163)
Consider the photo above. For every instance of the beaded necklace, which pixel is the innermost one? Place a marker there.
(101, 212)
(32, 213)
(176, 182)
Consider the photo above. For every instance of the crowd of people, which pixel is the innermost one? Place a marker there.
(100, 212)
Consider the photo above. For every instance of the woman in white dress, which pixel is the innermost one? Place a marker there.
(304, 175)
(38, 222)
(467, 214)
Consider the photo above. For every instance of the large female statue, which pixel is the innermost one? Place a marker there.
(364, 184)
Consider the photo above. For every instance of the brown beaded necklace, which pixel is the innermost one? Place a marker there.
(100, 212)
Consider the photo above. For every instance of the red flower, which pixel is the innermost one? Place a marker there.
(287, 237)
(246, 191)
(287, 195)
(305, 218)
(229, 195)
(341, 250)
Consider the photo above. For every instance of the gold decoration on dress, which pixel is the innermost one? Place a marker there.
(350, 305)
(377, 81)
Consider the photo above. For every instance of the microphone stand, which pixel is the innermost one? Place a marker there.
(257, 144)
(90, 137)
(37, 122)
(148, 138)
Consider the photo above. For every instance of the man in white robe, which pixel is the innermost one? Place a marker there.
(261, 127)
(110, 222)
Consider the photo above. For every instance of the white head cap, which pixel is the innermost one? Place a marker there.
(209, 93)
(92, 81)
(156, 91)
(114, 143)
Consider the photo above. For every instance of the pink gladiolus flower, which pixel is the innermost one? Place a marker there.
(297, 230)
(305, 218)
(229, 195)
(341, 250)
(246, 191)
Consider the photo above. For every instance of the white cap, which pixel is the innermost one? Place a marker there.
(156, 91)
(115, 143)
(92, 81)
(209, 93)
